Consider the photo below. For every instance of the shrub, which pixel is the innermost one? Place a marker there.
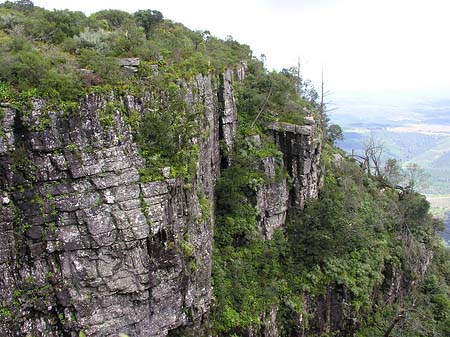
(113, 18)
(99, 40)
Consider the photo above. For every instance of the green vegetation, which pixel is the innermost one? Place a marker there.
(348, 239)
(107, 115)
(352, 239)
(61, 56)
(44, 50)
(205, 207)
(165, 138)
(5, 313)
(275, 94)
(250, 275)
(187, 249)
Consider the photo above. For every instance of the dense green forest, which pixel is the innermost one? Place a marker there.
(360, 230)
(349, 238)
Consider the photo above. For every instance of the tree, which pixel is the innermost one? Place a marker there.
(56, 26)
(415, 177)
(411, 177)
(148, 19)
(115, 18)
(373, 151)
(20, 5)
(334, 133)
(392, 172)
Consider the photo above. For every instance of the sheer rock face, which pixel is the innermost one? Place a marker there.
(84, 244)
(272, 199)
(301, 147)
(228, 111)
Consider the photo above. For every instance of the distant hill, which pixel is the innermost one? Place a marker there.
(412, 130)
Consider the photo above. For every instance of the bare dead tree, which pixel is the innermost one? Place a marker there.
(373, 152)
(321, 94)
(402, 314)
(299, 79)
(324, 103)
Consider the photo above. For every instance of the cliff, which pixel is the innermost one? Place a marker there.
(90, 247)
(86, 245)
(301, 148)
(102, 252)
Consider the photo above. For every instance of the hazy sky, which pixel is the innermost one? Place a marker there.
(363, 45)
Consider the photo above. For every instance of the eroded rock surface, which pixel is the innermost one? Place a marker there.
(85, 244)
(301, 148)
(272, 199)
(228, 112)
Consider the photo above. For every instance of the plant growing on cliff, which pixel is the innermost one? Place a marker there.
(205, 207)
(345, 241)
(45, 50)
(107, 115)
(5, 92)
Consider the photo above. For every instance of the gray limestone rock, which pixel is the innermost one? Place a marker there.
(228, 111)
(129, 61)
(130, 64)
(301, 147)
(7, 140)
(272, 200)
(103, 252)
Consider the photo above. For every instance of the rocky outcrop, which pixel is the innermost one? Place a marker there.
(228, 114)
(86, 245)
(130, 64)
(272, 199)
(301, 148)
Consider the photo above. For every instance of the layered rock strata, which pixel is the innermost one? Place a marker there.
(301, 147)
(86, 245)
